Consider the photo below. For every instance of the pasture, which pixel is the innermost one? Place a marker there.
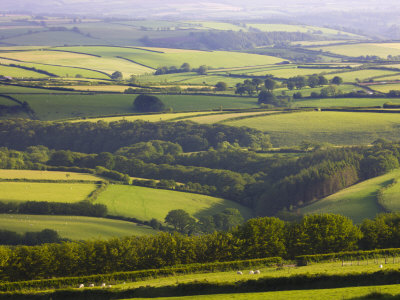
(68, 106)
(356, 202)
(19, 73)
(361, 75)
(46, 175)
(390, 197)
(339, 128)
(385, 88)
(331, 268)
(363, 49)
(343, 102)
(299, 28)
(154, 58)
(67, 59)
(73, 227)
(151, 117)
(50, 192)
(215, 118)
(146, 203)
(326, 294)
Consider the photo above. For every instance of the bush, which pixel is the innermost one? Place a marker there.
(148, 103)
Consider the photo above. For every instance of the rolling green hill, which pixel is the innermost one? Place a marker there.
(340, 128)
(146, 203)
(356, 202)
(72, 227)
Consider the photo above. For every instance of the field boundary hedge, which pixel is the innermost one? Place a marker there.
(134, 276)
(348, 255)
(266, 284)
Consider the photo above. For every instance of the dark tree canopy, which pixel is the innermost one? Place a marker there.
(148, 103)
(117, 75)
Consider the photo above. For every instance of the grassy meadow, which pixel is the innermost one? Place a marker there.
(327, 294)
(391, 199)
(55, 107)
(146, 203)
(358, 201)
(46, 175)
(363, 49)
(19, 73)
(157, 57)
(73, 227)
(50, 192)
(361, 75)
(339, 128)
(385, 88)
(340, 102)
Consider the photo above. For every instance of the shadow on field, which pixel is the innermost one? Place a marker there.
(376, 295)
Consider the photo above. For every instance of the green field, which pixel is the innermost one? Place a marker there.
(46, 175)
(385, 88)
(146, 203)
(151, 117)
(55, 107)
(326, 294)
(361, 75)
(19, 73)
(291, 72)
(363, 49)
(156, 57)
(104, 64)
(72, 227)
(390, 198)
(50, 192)
(57, 70)
(215, 118)
(52, 38)
(340, 128)
(14, 89)
(325, 268)
(357, 202)
(350, 102)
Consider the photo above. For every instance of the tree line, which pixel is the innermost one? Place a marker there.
(257, 238)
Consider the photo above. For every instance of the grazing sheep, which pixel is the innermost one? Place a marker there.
(239, 273)
(380, 266)
(257, 272)
(109, 285)
(81, 286)
(251, 272)
(103, 285)
(91, 285)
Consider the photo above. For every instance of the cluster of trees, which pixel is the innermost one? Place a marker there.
(185, 67)
(182, 222)
(228, 40)
(148, 103)
(299, 82)
(256, 238)
(82, 208)
(8, 237)
(108, 137)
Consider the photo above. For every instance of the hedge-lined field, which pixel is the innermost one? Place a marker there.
(146, 203)
(356, 202)
(54, 107)
(19, 73)
(343, 102)
(50, 192)
(364, 49)
(390, 196)
(340, 128)
(385, 88)
(155, 58)
(46, 175)
(360, 74)
(68, 59)
(73, 227)
(326, 294)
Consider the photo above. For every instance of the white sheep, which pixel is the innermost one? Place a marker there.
(109, 286)
(380, 266)
(251, 272)
(257, 272)
(103, 285)
(239, 273)
(91, 285)
(81, 286)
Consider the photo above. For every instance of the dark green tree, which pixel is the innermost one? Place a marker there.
(337, 80)
(270, 84)
(180, 220)
(117, 75)
(148, 103)
(221, 86)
